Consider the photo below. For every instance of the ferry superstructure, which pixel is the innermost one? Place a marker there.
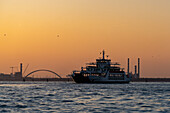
(101, 71)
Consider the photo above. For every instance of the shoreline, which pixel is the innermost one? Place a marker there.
(70, 79)
(151, 80)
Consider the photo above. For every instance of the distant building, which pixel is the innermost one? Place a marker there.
(10, 77)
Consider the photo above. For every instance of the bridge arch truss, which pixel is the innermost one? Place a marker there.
(42, 70)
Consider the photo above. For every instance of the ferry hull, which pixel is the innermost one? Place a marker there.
(82, 79)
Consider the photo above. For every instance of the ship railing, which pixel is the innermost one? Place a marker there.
(91, 63)
(75, 71)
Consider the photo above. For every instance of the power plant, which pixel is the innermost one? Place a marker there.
(12, 76)
(136, 74)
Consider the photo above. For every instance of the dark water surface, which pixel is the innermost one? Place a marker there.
(70, 97)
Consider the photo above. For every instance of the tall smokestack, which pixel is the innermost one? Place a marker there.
(103, 54)
(138, 67)
(128, 67)
(135, 70)
(21, 68)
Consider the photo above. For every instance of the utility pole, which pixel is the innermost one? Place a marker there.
(12, 69)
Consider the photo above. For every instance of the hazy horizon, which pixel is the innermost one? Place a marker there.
(63, 35)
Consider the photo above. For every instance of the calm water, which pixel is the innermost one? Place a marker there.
(70, 97)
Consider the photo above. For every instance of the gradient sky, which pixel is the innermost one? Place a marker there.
(124, 28)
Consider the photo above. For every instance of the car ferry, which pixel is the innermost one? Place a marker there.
(101, 71)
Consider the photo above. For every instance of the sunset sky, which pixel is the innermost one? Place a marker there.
(63, 35)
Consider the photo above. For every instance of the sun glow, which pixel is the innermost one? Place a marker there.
(63, 35)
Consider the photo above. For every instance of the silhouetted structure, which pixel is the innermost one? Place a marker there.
(11, 77)
(101, 71)
(128, 66)
(42, 70)
(136, 74)
(138, 67)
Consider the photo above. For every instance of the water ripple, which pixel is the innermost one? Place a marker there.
(70, 97)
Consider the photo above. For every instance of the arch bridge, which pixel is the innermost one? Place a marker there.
(42, 70)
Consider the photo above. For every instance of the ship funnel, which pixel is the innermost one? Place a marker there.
(138, 67)
(128, 67)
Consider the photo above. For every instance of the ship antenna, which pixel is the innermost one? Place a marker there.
(103, 54)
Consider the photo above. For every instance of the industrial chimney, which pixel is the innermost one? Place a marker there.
(138, 67)
(128, 67)
(21, 68)
(135, 71)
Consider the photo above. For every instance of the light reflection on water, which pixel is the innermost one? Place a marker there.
(71, 97)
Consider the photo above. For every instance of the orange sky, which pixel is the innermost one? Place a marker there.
(124, 28)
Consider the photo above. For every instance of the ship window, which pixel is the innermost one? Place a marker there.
(116, 76)
(94, 74)
(111, 70)
(86, 75)
(103, 74)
